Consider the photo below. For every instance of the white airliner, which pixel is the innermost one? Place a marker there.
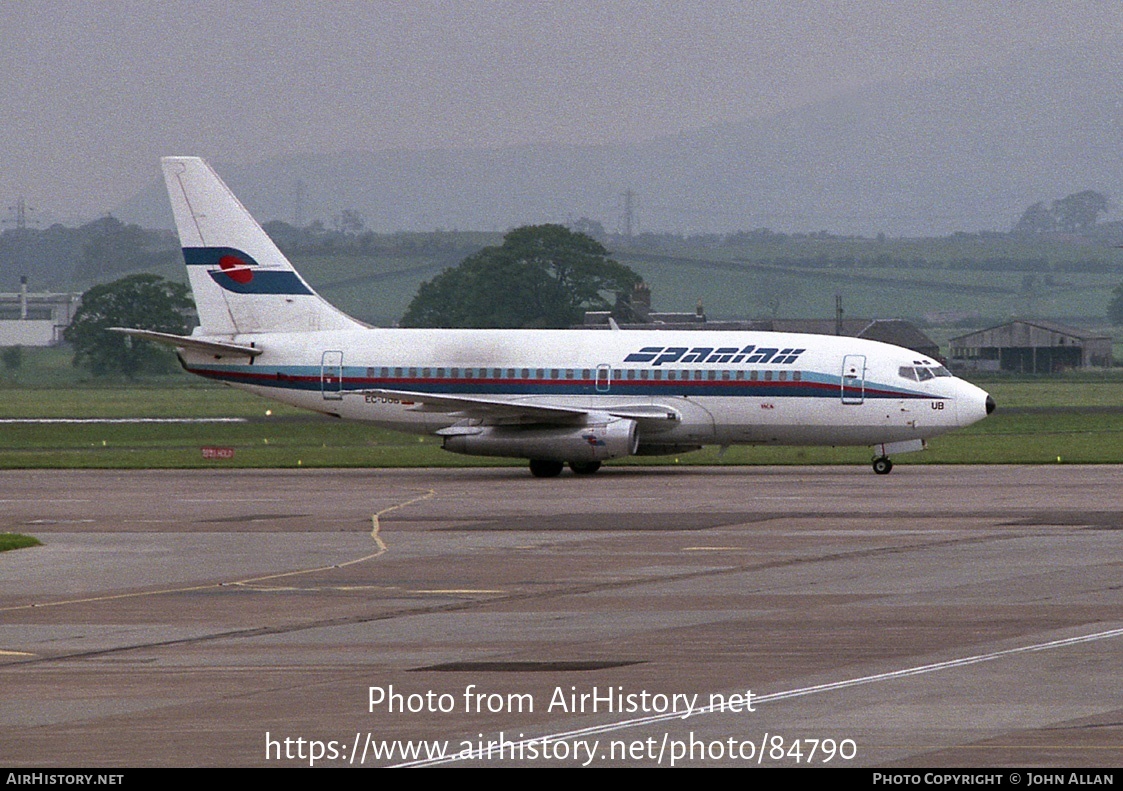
(555, 397)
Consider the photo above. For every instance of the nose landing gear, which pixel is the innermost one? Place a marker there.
(881, 463)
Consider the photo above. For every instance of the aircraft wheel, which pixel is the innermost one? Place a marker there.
(544, 468)
(584, 467)
(882, 465)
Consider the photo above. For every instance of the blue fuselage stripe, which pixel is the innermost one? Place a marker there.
(312, 378)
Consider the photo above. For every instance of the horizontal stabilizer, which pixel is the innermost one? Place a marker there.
(220, 348)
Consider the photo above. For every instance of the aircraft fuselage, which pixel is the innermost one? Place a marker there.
(727, 387)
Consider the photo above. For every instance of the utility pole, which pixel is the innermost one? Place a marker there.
(20, 211)
(629, 212)
(298, 206)
(24, 245)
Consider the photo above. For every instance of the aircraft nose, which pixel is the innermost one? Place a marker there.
(974, 403)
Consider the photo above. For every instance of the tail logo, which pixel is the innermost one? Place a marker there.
(235, 268)
(237, 271)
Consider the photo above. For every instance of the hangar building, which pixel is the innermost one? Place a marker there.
(1032, 347)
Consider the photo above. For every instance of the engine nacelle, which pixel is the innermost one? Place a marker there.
(594, 442)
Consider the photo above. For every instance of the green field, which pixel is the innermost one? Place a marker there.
(747, 290)
(16, 541)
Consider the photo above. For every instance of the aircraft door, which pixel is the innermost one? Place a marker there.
(331, 376)
(604, 378)
(853, 379)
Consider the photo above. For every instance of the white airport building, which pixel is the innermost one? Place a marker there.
(35, 319)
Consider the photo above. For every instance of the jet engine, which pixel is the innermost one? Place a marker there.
(594, 442)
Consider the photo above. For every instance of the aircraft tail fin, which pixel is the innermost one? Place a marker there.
(241, 281)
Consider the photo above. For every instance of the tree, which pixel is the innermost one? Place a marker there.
(12, 357)
(1036, 219)
(1071, 214)
(541, 276)
(110, 247)
(1080, 210)
(349, 222)
(1115, 306)
(142, 301)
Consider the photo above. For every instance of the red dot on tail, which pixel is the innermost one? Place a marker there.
(235, 268)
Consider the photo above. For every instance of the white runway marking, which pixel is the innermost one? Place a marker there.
(794, 693)
(124, 420)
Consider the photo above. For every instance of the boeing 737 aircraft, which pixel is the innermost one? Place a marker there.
(555, 397)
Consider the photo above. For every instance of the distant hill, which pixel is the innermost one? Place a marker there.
(968, 152)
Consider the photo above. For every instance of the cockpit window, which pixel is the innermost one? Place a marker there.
(922, 374)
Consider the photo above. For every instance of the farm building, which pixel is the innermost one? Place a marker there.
(1037, 347)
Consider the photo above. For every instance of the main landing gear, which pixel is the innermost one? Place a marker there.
(544, 468)
(882, 465)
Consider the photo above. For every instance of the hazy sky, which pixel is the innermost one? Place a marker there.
(95, 92)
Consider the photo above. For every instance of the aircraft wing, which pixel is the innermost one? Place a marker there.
(502, 410)
(188, 342)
